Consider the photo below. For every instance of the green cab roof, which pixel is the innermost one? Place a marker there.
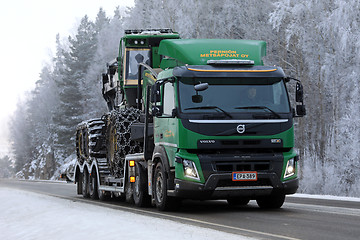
(199, 51)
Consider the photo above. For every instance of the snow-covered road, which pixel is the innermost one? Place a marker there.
(26, 215)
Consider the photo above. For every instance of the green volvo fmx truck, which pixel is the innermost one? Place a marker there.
(190, 119)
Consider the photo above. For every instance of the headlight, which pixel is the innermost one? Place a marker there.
(190, 170)
(290, 168)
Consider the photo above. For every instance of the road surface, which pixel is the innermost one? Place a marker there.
(299, 218)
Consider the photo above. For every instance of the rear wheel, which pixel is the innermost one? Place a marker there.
(162, 201)
(140, 193)
(85, 184)
(273, 201)
(104, 195)
(93, 185)
(79, 183)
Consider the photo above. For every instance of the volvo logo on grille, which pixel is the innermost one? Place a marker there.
(240, 128)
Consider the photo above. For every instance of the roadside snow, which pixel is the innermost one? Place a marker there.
(326, 197)
(26, 215)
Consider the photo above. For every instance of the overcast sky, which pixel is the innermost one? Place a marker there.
(28, 31)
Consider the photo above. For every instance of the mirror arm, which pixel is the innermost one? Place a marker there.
(288, 79)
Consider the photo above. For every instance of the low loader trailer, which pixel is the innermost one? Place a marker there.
(190, 119)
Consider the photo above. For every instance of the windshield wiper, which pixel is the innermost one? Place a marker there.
(211, 107)
(260, 107)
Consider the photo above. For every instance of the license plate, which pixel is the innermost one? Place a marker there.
(244, 176)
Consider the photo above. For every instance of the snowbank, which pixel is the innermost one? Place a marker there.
(326, 197)
(26, 215)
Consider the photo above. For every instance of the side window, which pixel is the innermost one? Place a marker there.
(133, 58)
(169, 98)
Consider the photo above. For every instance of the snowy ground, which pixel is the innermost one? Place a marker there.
(26, 215)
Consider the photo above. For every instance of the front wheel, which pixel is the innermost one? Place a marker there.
(273, 201)
(140, 193)
(162, 201)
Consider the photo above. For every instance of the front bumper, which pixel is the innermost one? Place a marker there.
(220, 186)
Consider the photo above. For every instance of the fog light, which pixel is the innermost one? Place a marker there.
(190, 170)
(290, 168)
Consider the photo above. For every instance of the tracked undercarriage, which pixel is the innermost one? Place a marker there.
(109, 138)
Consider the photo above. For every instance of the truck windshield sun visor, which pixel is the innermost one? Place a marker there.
(228, 71)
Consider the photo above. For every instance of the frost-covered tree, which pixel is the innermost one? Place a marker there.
(68, 91)
(72, 83)
(20, 136)
(204, 19)
(325, 36)
(32, 130)
(106, 50)
(6, 168)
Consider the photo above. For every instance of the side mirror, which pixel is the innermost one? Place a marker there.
(155, 98)
(300, 110)
(299, 95)
(155, 93)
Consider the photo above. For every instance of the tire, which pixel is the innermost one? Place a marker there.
(118, 138)
(79, 184)
(96, 145)
(85, 184)
(79, 145)
(93, 185)
(238, 201)
(274, 201)
(104, 195)
(90, 140)
(85, 135)
(162, 201)
(129, 195)
(140, 192)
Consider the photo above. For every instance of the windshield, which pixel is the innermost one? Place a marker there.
(134, 57)
(234, 95)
